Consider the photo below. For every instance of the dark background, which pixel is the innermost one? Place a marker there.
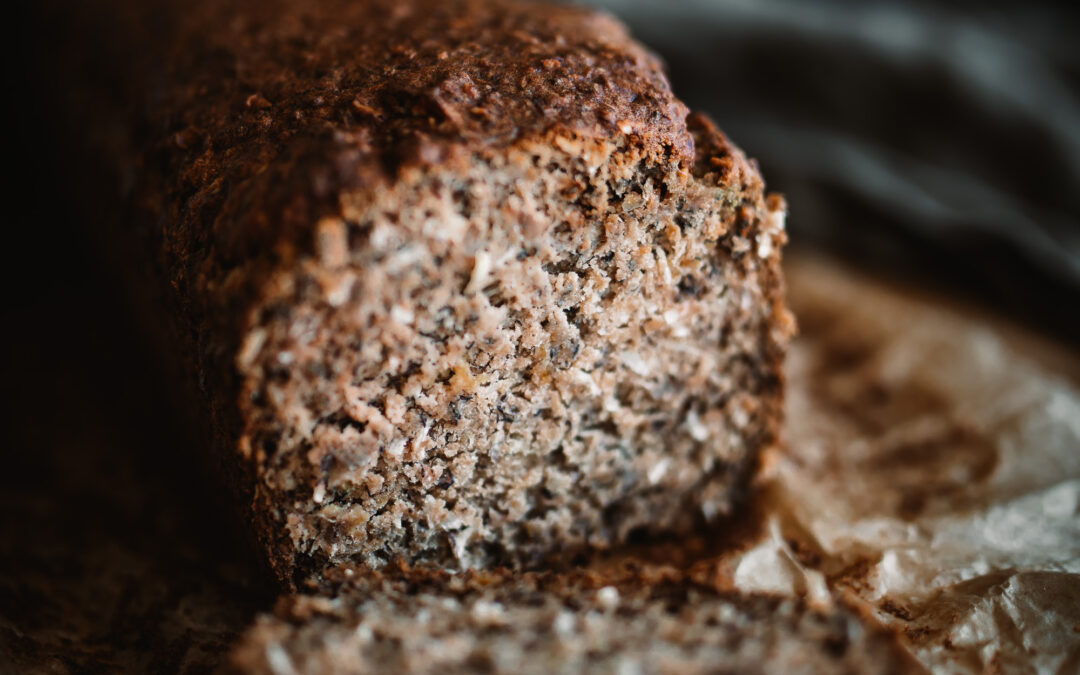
(936, 143)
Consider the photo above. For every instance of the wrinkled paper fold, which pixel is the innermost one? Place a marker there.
(931, 475)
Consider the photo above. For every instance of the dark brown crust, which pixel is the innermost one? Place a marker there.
(267, 111)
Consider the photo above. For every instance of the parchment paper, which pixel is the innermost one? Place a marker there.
(931, 475)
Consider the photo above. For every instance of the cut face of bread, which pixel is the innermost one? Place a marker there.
(625, 622)
(526, 352)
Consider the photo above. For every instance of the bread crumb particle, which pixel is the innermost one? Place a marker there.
(764, 245)
(481, 268)
(656, 473)
(608, 597)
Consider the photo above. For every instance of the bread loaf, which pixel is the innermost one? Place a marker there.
(630, 620)
(460, 282)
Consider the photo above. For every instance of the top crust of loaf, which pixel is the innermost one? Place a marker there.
(271, 109)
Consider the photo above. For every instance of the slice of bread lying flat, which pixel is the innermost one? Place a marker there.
(459, 282)
(634, 619)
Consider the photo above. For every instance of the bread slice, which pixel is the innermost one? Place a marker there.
(460, 282)
(632, 620)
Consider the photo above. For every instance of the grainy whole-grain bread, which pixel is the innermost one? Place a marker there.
(636, 619)
(460, 282)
